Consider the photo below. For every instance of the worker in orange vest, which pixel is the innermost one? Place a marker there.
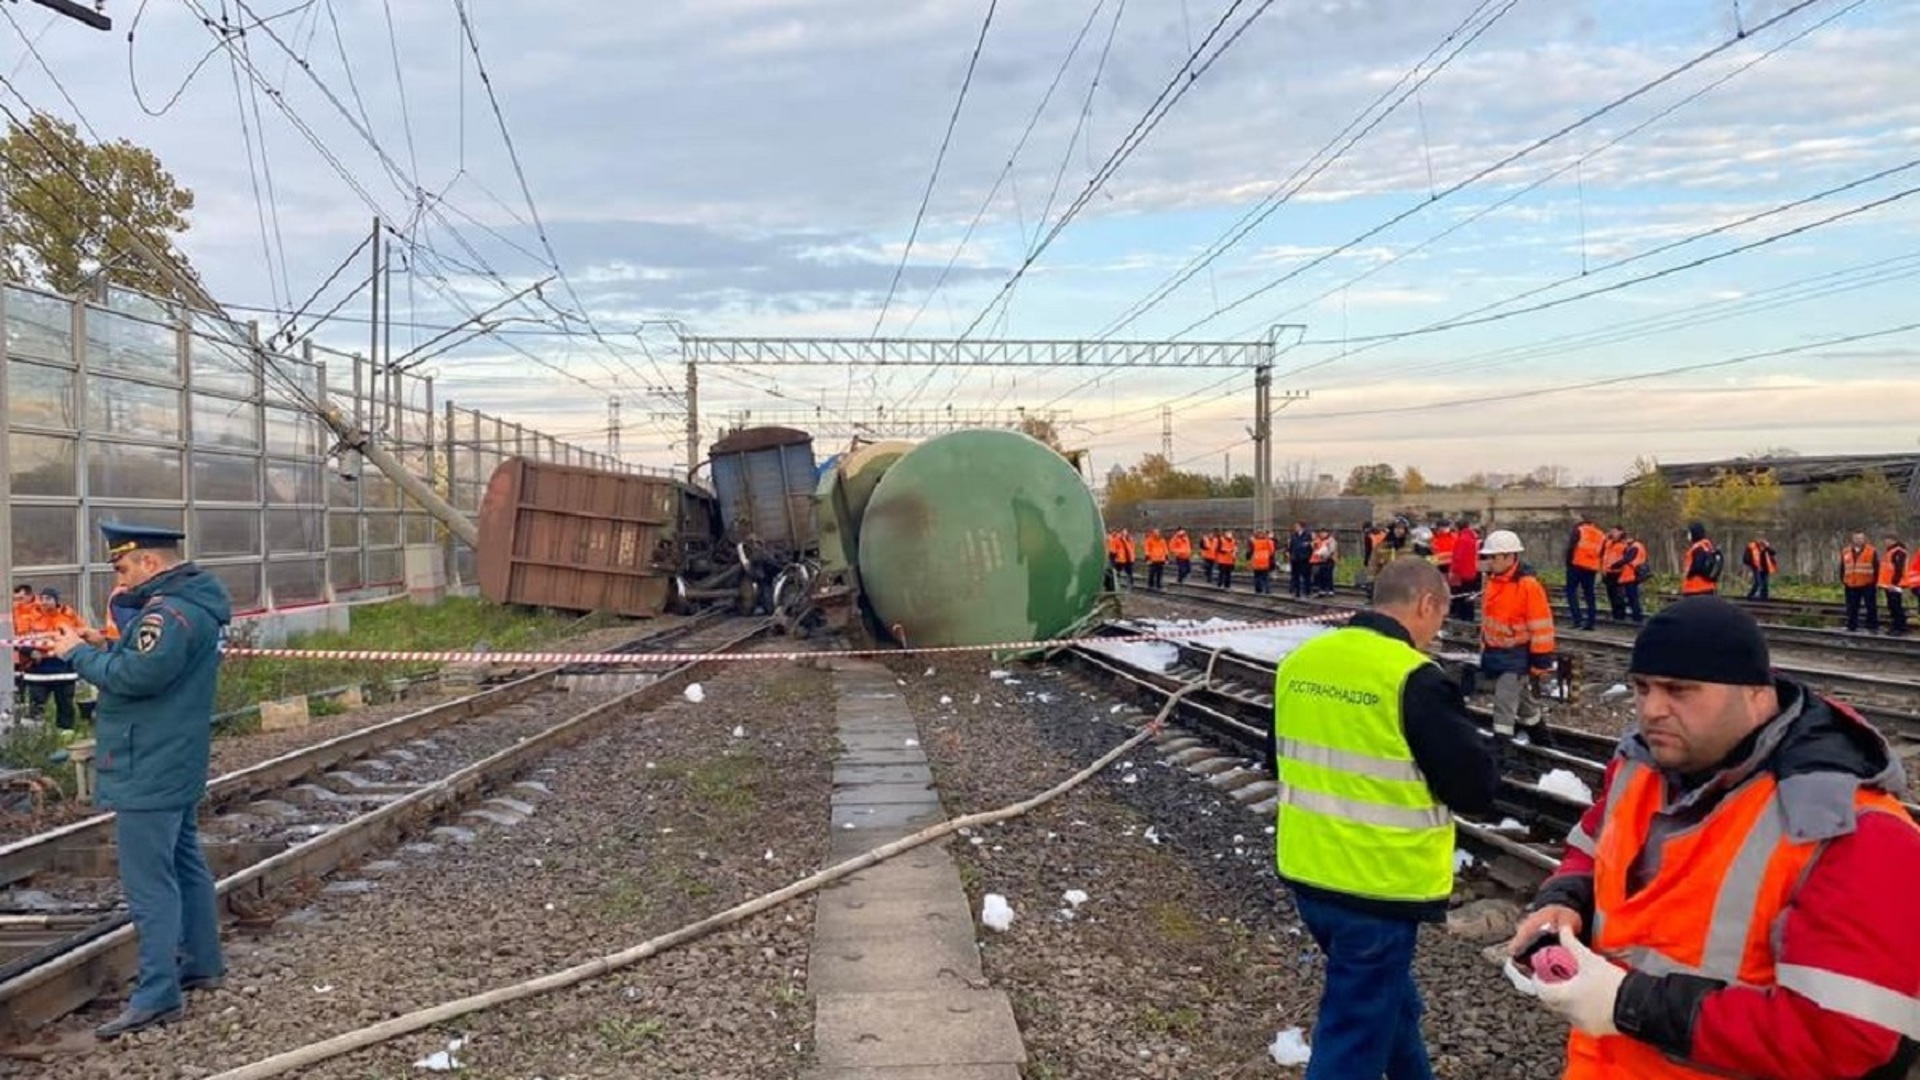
(1761, 563)
(1181, 548)
(1516, 638)
(1326, 555)
(1739, 900)
(1260, 560)
(1210, 554)
(1893, 577)
(1156, 558)
(1624, 564)
(1443, 538)
(50, 677)
(1583, 569)
(1225, 555)
(1859, 574)
(1702, 563)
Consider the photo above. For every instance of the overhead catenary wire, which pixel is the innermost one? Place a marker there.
(1501, 163)
(933, 178)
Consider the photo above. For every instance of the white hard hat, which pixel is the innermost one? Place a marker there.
(1502, 542)
(1423, 535)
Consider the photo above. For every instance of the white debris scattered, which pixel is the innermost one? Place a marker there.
(1269, 643)
(1616, 692)
(946, 699)
(549, 905)
(768, 857)
(1074, 897)
(651, 765)
(976, 699)
(997, 673)
(995, 912)
(1148, 655)
(847, 825)
(913, 742)
(900, 682)
(739, 731)
(1130, 778)
(1044, 699)
(1461, 860)
(1151, 836)
(694, 693)
(1509, 825)
(1115, 709)
(977, 840)
(442, 1060)
(1290, 1047)
(323, 988)
(1012, 681)
(929, 673)
(1563, 783)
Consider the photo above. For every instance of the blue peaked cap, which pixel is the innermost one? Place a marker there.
(124, 538)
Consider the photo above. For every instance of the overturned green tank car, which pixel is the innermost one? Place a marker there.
(980, 537)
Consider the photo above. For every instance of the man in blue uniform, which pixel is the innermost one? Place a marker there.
(158, 680)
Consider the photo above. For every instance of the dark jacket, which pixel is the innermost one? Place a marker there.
(1447, 746)
(1299, 546)
(1852, 912)
(154, 724)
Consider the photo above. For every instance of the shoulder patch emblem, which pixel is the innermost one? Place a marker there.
(146, 632)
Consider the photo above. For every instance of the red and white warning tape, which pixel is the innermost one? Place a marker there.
(552, 659)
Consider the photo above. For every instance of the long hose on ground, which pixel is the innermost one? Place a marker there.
(359, 1039)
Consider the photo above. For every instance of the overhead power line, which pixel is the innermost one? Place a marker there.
(1633, 95)
(939, 159)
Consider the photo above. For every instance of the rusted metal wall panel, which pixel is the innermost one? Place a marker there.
(580, 539)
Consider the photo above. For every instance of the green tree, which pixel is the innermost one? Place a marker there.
(1867, 503)
(1376, 479)
(72, 208)
(1154, 478)
(1734, 501)
(1240, 487)
(1652, 508)
(1413, 482)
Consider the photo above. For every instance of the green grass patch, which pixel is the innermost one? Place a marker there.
(727, 785)
(626, 1034)
(455, 623)
(1179, 1022)
(1175, 923)
(31, 747)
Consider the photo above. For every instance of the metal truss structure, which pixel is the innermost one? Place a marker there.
(881, 422)
(956, 352)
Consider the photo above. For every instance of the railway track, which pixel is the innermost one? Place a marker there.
(306, 813)
(1890, 700)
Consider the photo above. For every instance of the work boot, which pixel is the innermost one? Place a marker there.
(131, 1020)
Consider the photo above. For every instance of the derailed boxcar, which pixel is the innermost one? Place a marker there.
(582, 539)
(764, 479)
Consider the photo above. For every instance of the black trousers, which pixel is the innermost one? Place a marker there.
(1261, 580)
(62, 695)
(1299, 577)
(1223, 575)
(1863, 597)
(1155, 571)
(1182, 567)
(1896, 612)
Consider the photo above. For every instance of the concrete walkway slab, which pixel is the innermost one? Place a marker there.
(940, 1028)
(895, 966)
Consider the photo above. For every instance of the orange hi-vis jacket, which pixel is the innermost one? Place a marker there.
(1588, 539)
(1718, 895)
(1610, 552)
(1210, 548)
(1181, 546)
(1260, 557)
(1633, 554)
(1156, 548)
(1515, 615)
(1895, 567)
(1443, 539)
(1224, 554)
(1912, 578)
(1762, 559)
(1857, 568)
(1690, 584)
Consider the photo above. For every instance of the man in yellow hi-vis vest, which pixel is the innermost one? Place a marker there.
(1372, 747)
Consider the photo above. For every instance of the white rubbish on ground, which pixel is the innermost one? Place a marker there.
(1074, 897)
(1290, 1047)
(995, 912)
(946, 699)
(694, 693)
(1115, 709)
(1616, 692)
(1565, 784)
(1130, 778)
(442, 1060)
(739, 731)
(1151, 836)
(1461, 860)
(1145, 655)
(913, 742)
(929, 673)
(997, 673)
(1508, 824)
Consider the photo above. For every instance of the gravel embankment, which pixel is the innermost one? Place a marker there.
(1187, 958)
(653, 825)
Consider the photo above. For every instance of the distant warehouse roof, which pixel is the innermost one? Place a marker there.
(1901, 470)
(1238, 513)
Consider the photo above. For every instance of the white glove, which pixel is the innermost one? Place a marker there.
(1586, 1000)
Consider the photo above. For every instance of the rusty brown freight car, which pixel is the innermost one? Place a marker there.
(581, 539)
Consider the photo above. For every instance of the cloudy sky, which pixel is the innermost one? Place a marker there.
(1495, 233)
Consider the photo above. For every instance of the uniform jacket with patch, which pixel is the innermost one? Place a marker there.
(153, 730)
(1852, 914)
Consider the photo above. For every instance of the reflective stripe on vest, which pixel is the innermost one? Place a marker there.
(1712, 908)
(1355, 813)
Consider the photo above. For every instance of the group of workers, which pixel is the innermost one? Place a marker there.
(1734, 903)
(155, 668)
(1310, 557)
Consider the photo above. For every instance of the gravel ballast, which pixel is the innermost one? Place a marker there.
(656, 823)
(1187, 958)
